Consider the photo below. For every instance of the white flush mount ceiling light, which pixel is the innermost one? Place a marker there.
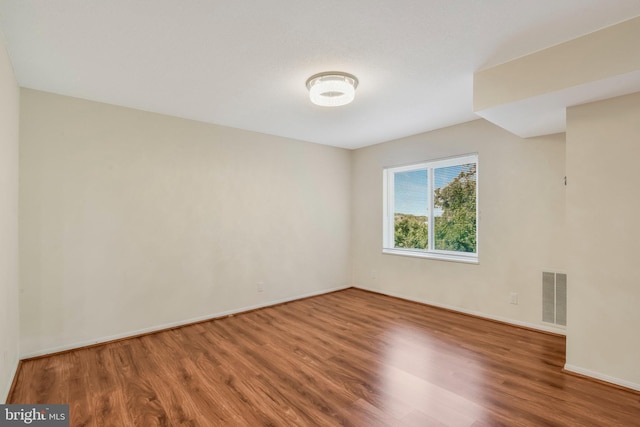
(332, 89)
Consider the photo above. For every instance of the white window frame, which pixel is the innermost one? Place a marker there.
(388, 226)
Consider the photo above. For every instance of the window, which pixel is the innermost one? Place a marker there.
(431, 209)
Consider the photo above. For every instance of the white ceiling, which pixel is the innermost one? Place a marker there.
(244, 63)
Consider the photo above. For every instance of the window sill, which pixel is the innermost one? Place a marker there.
(467, 259)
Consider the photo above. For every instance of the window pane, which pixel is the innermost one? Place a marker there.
(411, 210)
(454, 201)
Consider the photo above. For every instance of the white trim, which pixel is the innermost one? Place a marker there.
(601, 377)
(7, 387)
(440, 255)
(157, 328)
(543, 328)
(388, 219)
(431, 238)
(440, 162)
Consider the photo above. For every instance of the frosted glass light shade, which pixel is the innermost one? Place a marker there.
(332, 89)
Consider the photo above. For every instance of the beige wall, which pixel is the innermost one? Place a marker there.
(603, 54)
(9, 110)
(131, 221)
(603, 201)
(521, 200)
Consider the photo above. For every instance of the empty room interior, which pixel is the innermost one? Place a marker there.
(407, 213)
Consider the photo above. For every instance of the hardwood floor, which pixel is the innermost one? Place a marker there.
(346, 358)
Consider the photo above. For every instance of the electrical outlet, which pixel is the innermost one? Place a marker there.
(260, 286)
(514, 298)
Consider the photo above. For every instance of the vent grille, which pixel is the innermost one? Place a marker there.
(554, 298)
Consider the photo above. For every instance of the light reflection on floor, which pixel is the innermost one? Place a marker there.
(410, 378)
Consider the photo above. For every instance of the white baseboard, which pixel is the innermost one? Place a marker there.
(7, 387)
(80, 344)
(544, 328)
(601, 377)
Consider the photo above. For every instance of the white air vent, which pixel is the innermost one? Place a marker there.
(554, 298)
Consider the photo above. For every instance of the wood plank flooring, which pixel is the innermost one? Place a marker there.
(348, 358)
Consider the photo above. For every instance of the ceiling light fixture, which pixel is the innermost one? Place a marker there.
(332, 89)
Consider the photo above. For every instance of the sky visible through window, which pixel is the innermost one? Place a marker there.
(410, 189)
(410, 192)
